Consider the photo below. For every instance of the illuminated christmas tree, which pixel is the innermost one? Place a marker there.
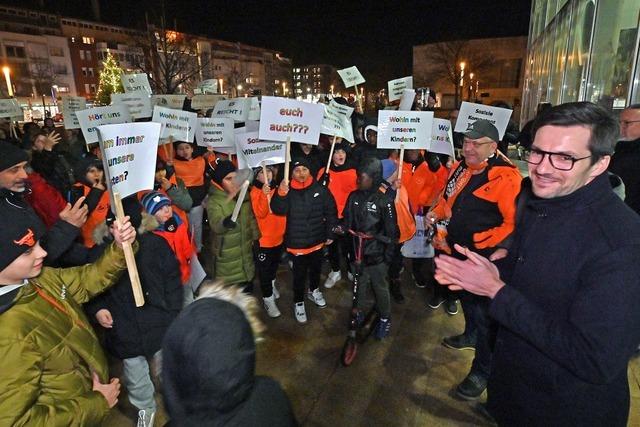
(109, 80)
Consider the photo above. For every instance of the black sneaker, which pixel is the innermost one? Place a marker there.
(396, 293)
(435, 301)
(471, 387)
(451, 307)
(459, 342)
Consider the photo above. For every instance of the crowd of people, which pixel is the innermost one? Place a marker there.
(544, 267)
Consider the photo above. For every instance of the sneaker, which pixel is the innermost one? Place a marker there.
(451, 307)
(459, 342)
(471, 387)
(271, 307)
(332, 279)
(418, 284)
(317, 297)
(396, 293)
(383, 327)
(435, 301)
(350, 276)
(276, 293)
(290, 264)
(146, 417)
(301, 314)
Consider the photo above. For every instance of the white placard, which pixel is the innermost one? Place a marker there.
(470, 112)
(254, 109)
(181, 125)
(9, 108)
(441, 138)
(129, 154)
(397, 87)
(344, 109)
(351, 76)
(256, 151)
(409, 128)
(93, 117)
(227, 150)
(217, 132)
(71, 104)
(205, 102)
(281, 118)
(138, 82)
(208, 86)
(336, 124)
(236, 109)
(406, 101)
(169, 101)
(139, 103)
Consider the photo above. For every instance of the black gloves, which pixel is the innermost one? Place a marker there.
(228, 223)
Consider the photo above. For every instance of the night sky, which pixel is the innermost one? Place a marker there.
(376, 36)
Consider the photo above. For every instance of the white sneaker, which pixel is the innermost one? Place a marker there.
(350, 276)
(276, 294)
(317, 297)
(301, 314)
(145, 418)
(271, 307)
(290, 264)
(332, 279)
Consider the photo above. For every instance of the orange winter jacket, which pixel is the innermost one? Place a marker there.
(190, 171)
(423, 186)
(271, 226)
(95, 217)
(341, 183)
(182, 246)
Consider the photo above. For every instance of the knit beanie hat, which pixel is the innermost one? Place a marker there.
(221, 168)
(10, 155)
(153, 201)
(131, 207)
(299, 161)
(19, 232)
(388, 168)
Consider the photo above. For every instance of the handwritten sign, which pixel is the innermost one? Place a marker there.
(91, 118)
(351, 76)
(217, 132)
(236, 109)
(138, 82)
(336, 123)
(256, 151)
(11, 109)
(139, 103)
(71, 104)
(470, 112)
(397, 87)
(409, 128)
(208, 86)
(254, 109)
(180, 125)
(205, 102)
(441, 138)
(169, 101)
(129, 155)
(283, 118)
(343, 109)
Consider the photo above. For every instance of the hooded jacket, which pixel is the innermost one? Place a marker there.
(342, 181)
(373, 212)
(209, 360)
(271, 226)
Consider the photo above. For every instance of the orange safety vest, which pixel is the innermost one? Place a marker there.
(190, 171)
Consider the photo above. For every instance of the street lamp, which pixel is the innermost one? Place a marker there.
(284, 88)
(462, 65)
(7, 76)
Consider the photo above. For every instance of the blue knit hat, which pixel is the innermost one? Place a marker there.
(388, 168)
(153, 201)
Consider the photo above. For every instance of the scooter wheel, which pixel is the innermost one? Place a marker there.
(349, 352)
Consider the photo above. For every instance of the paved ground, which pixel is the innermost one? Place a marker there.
(405, 380)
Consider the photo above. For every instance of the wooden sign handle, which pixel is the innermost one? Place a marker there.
(266, 182)
(129, 256)
(287, 159)
(400, 170)
(333, 146)
(358, 100)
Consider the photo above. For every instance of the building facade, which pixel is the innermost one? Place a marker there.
(582, 50)
(311, 82)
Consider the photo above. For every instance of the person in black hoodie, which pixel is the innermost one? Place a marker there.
(311, 216)
(625, 161)
(372, 212)
(209, 364)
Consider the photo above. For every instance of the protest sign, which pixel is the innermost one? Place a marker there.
(205, 102)
(404, 129)
(344, 109)
(441, 138)
(169, 101)
(71, 104)
(254, 110)
(406, 101)
(91, 118)
(351, 76)
(208, 86)
(337, 124)
(9, 108)
(139, 103)
(397, 87)
(179, 125)
(256, 152)
(138, 82)
(216, 132)
(470, 112)
(284, 118)
(236, 109)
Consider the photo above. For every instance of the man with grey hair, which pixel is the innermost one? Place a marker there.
(625, 162)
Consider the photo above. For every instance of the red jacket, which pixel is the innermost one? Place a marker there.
(45, 199)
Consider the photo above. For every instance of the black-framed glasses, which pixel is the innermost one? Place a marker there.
(560, 161)
(628, 122)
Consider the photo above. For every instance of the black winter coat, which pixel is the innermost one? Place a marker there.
(568, 315)
(138, 331)
(625, 163)
(311, 214)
